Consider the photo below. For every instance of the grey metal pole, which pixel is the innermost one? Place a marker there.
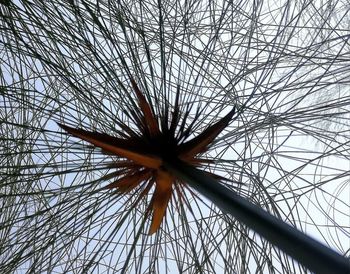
(307, 251)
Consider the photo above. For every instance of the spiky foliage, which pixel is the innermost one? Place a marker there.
(146, 151)
(282, 65)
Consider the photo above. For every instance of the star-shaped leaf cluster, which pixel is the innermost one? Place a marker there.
(145, 153)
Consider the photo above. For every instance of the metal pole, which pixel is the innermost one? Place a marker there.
(309, 252)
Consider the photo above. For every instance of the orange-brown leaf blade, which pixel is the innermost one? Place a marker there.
(160, 198)
(149, 119)
(199, 144)
(110, 144)
(130, 180)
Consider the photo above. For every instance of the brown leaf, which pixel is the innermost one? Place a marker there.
(199, 144)
(110, 144)
(149, 119)
(130, 180)
(160, 198)
(123, 164)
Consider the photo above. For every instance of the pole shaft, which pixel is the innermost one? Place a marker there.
(307, 251)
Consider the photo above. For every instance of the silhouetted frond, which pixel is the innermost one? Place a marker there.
(278, 72)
